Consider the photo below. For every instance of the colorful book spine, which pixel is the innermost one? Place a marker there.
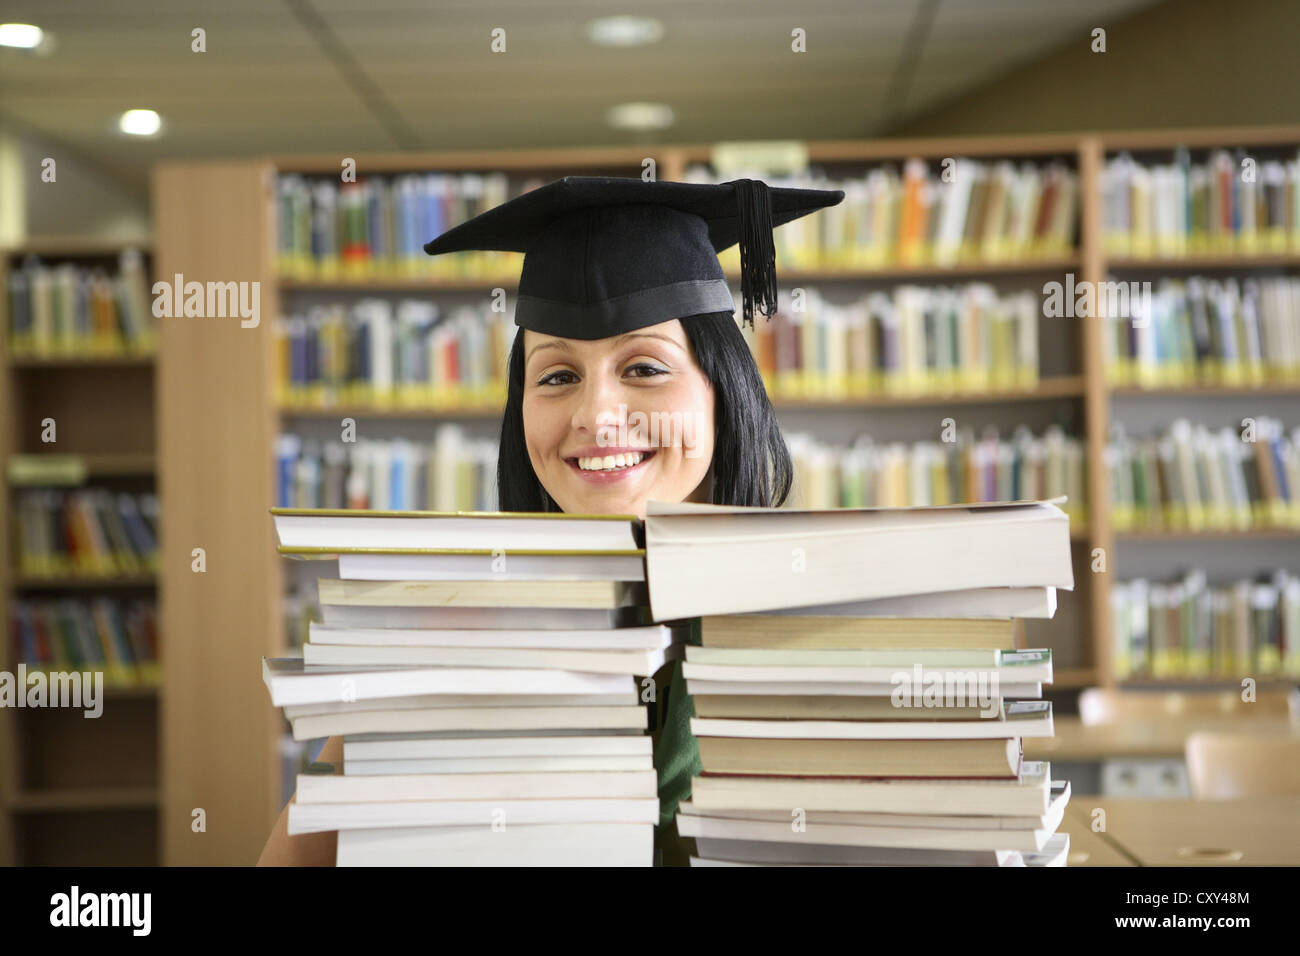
(927, 213)
(65, 309)
(1209, 332)
(405, 356)
(88, 532)
(375, 227)
(914, 340)
(454, 472)
(1188, 628)
(1192, 478)
(117, 637)
(969, 469)
(1228, 203)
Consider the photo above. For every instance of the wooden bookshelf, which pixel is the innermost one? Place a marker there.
(54, 761)
(219, 424)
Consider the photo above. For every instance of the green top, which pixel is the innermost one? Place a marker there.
(676, 754)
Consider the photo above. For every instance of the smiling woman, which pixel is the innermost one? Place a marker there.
(629, 380)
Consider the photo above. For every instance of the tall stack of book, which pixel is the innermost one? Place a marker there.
(480, 669)
(857, 695)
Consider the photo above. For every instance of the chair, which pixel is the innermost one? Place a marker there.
(1223, 766)
(1100, 705)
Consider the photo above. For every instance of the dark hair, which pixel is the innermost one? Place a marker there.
(751, 463)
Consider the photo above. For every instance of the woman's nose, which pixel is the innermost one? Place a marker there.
(600, 406)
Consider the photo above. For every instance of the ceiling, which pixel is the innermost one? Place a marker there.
(355, 76)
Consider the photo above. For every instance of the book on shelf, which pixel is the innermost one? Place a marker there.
(866, 473)
(1209, 332)
(117, 637)
(1192, 478)
(1188, 627)
(896, 739)
(67, 309)
(952, 213)
(1226, 202)
(463, 703)
(91, 532)
(410, 356)
(915, 340)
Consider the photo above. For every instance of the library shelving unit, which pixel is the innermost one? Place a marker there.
(76, 791)
(1243, 548)
(221, 416)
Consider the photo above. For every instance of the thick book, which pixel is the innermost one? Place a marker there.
(469, 564)
(556, 764)
(711, 559)
(333, 531)
(479, 814)
(1028, 794)
(996, 602)
(292, 682)
(719, 852)
(723, 828)
(564, 844)
(602, 595)
(438, 701)
(1011, 667)
(843, 687)
(653, 637)
(630, 662)
(1020, 718)
(829, 708)
(443, 719)
(824, 631)
(611, 784)
(531, 745)
(465, 618)
(993, 758)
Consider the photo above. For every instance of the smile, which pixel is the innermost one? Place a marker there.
(606, 467)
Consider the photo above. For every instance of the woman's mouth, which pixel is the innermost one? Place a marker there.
(602, 469)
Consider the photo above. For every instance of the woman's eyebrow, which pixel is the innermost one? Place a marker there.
(552, 344)
(648, 335)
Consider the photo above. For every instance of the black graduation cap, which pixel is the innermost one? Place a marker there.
(605, 255)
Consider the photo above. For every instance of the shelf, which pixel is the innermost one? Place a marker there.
(142, 360)
(42, 471)
(1046, 264)
(1063, 386)
(1191, 391)
(1221, 261)
(98, 798)
(75, 246)
(1069, 678)
(1259, 534)
(73, 582)
(1203, 683)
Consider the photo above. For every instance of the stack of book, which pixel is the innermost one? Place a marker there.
(857, 695)
(480, 669)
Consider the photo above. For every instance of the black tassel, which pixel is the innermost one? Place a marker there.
(757, 250)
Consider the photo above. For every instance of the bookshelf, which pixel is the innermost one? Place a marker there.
(72, 790)
(219, 424)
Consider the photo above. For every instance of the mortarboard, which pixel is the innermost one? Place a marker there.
(606, 255)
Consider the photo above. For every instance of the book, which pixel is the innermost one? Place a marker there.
(500, 566)
(815, 630)
(630, 662)
(488, 593)
(707, 559)
(630, 717)
(570, 844)
(554, 764)
(340, 788)
(841, 835)
(330, 531)
(1017, 719)
(290, 682)
(1027, 794)
(652, 637)
(860, 759)
(884, 688)
(422, 747)
(476, 814)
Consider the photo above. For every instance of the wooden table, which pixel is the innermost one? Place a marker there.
(1263, 831)
(1162, 737)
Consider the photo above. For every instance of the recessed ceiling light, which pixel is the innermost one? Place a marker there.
(140, 123)
(21, 35)
(640, 116)
(624, 31)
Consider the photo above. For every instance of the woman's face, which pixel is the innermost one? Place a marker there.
(612, 423)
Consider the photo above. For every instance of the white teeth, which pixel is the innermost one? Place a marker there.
(610, 462)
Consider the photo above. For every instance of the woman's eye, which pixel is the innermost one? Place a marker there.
(646, 371)
(557, 378)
